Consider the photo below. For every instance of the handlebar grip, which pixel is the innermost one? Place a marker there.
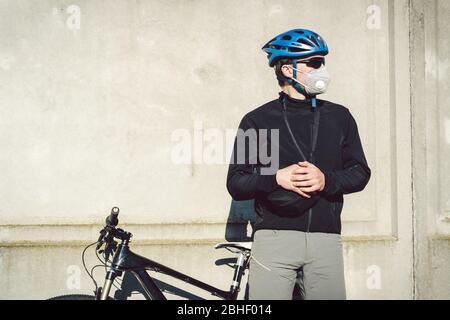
(112, 220)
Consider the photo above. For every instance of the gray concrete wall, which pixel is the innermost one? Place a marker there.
(95, 98)
(430, 105)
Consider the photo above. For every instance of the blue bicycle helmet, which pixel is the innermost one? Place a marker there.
(294, 44)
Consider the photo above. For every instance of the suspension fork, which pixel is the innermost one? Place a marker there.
(109, 279)
(111, 275)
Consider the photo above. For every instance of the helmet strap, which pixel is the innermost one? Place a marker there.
(297, 86)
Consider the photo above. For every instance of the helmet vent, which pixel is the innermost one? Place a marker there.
(313, 39)
(303, 41)
(294, 49)
(275, 46)
(286, 38)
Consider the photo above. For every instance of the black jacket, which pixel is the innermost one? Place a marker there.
(339, 155)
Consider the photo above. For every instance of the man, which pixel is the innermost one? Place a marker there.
(320, 158)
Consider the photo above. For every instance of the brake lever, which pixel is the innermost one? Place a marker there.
(101, 239)
(109, 249)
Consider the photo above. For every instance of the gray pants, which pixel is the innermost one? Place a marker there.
(280, 258)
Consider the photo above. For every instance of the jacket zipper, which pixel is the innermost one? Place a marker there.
(311, 160)
(333, 211)
(309, 219)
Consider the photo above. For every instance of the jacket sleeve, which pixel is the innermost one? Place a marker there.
(243, 182)
(355, 173)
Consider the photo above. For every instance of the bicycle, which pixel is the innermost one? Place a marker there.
(124, 260)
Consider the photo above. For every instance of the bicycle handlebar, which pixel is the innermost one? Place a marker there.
(112, 220)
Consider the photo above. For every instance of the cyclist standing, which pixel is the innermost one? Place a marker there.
(320, 158)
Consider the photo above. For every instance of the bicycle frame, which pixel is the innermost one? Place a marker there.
(125, 260)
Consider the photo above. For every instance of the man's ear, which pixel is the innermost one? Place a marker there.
(286, 70)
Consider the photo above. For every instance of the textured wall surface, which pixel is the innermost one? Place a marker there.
(95, 97)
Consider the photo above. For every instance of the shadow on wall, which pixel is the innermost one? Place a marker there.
(241, 214)
(130, 286)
